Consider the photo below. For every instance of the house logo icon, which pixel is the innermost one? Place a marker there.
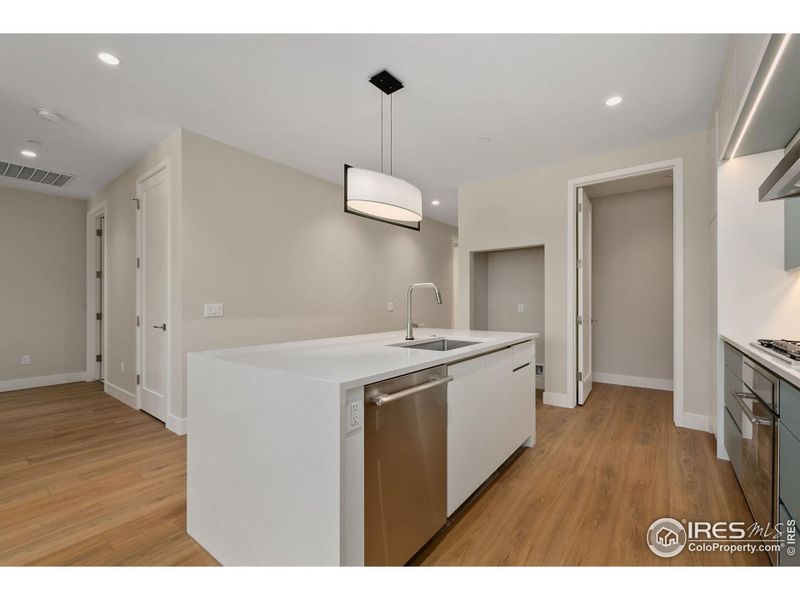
(666, 537)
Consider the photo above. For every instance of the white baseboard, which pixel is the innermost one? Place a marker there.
(176, 424)
(120, 394)
(10, 385)
(554, 399)
(693, 421)
(630, 380)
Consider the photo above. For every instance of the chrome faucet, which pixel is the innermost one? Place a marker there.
(409, 322)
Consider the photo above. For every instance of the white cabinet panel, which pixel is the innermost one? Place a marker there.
(522, 354)
(482, 420)
(466, 416)
(523, 406)
(499, 426)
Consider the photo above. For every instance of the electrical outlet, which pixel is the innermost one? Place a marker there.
(354, 415)
(520, 307)
(25, 359)
(390, 307)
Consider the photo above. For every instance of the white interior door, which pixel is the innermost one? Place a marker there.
(584, 304)
(153, 230)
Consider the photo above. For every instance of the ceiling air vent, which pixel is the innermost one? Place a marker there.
(9, 169)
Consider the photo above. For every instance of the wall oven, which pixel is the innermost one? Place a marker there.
(751, 433)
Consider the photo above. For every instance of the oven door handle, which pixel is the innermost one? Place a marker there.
(740, 398)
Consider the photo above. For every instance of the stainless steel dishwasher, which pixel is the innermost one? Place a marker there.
(405, 464)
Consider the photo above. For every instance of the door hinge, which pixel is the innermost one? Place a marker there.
(137, 320)
(579, 376)
(579, 320)
(138, 203)
(99, 274)
(99, 232)
(138, 263)
(99, 316)
(98, 358)
(580, 206)
(138, 379)
(580, 263)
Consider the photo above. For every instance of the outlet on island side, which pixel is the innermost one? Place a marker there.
(354, 415)
(25, 359)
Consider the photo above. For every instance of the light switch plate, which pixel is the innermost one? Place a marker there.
(390, 307)
(213, 310)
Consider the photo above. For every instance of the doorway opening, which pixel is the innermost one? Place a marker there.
(508, 295)
(625, 281)
(96, 309)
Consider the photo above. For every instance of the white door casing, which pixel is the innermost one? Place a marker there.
(153, 296)
(676, 166)
(584, 303)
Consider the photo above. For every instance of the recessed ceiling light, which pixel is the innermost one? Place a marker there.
(613, 101)
(49, 115)
(484, 140)
(28, 153)
(109, 59)
(435, 202)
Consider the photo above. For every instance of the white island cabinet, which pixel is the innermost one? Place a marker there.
(275, 449)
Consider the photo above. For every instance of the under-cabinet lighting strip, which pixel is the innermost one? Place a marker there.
(763, 89)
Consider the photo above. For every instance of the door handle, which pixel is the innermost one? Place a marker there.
(163, 326)
(382, 399)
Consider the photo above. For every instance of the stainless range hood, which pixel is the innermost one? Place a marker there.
(784, 181)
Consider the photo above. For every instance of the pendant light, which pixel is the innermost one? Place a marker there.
(376, 194)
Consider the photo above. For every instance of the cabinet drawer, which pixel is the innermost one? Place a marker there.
(521, 354)
(789, 473)
(790, 408)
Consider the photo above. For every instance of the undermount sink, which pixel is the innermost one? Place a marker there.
(438, 344)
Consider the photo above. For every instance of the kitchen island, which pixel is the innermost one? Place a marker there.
(275, 457)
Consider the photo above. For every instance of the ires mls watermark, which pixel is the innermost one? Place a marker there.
(668, 537)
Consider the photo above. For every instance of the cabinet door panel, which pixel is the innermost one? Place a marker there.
(499, 404)
(466, 417)
(524, 403)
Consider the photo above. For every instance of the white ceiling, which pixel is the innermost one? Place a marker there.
(304, 100)
(628, 185)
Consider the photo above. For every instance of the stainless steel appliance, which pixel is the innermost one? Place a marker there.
(405, 464)
(784, 180)
(786, 350)
(751, 433)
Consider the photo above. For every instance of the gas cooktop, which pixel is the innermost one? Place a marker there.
(786, 350)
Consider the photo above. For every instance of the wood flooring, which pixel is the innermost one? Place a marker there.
(586, 494)
(86, 480)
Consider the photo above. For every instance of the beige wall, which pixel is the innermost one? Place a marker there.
(632, 284)
(43, 290)
(274, 245)
(120, 223)
(513, 277)
(530, 208)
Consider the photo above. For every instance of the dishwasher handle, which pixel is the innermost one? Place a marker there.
(382, 399)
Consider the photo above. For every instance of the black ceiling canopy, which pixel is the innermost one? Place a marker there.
(386, 82)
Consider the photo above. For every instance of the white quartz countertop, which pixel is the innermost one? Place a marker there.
(361, 359)
(782, 369)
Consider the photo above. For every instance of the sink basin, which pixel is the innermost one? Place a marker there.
(439, 344)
